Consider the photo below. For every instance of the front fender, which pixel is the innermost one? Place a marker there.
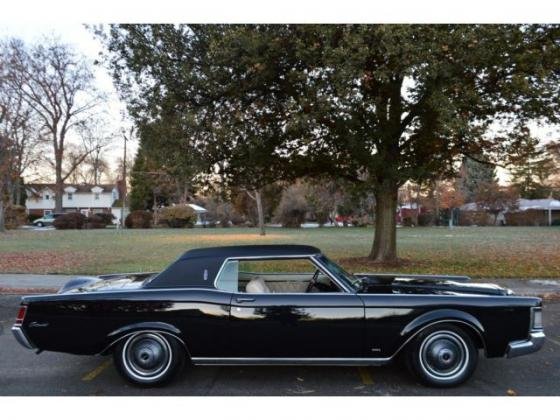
(444, 315)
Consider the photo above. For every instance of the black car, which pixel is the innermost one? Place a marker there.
(280, 305)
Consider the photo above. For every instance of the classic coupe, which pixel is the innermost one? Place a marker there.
(280, 305)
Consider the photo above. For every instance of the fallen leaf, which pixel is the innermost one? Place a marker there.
(511, 392)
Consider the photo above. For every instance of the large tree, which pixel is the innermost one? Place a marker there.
(375, 104)
(57, 84)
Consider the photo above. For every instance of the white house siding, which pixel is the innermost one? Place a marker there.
(79, 201)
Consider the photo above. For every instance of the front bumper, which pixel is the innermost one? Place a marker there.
(531, 345)
(21, 337)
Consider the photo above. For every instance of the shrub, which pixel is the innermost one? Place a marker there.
(138, 219)
(426, 219)
(531, 217)
(96, 222)
(106, 217)
(14, 216)
(292, 208)
(70, 221)
(177, 216)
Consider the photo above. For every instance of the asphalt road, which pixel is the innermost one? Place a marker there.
(24, 373)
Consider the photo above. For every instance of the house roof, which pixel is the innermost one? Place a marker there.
(539, 204)
(522, 204)
(197, 208)
(80, 188)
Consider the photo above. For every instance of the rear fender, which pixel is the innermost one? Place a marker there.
(114, 337)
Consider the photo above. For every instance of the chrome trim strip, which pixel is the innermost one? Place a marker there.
(21, 337)
(112, 343)
(521, 347)
(341, 361)
(332, 361)
(459, 279)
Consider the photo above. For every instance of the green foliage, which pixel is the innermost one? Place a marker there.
(531, 174)
(374, 104)
(177, 216)
(473, 176)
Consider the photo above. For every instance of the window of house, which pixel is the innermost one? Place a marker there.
(96, 196)
(47, 197)
(70, 196)
(274, 276)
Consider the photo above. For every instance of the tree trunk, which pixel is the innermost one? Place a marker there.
(260, 212)
(385, 238)
(18, 191)
(59, 183)
(2, 225)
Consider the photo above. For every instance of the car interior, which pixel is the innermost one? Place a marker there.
(274, 276)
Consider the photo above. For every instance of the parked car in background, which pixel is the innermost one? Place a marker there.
(280, 305)
(46, 220)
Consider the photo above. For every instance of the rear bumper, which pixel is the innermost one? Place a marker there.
(22, 338)
(522, 347)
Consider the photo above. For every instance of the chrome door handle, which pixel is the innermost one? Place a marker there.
(246, 299)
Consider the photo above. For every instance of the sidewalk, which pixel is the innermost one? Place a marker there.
(40, 283)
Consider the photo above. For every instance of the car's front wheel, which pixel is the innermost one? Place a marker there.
(149, 358)
(39, 224)
(442, 356)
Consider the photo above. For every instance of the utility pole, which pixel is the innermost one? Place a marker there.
(124, 180)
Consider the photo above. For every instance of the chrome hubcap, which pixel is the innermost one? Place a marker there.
(444, 355)
(147, 356)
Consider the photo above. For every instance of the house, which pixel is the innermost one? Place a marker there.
(200, 214)
(538, 212)
(84, 198)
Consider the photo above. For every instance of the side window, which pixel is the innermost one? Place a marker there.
(274, 276)
(228, 278)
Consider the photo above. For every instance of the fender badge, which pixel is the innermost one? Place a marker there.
(205, 274)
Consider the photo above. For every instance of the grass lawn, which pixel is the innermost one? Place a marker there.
(524, 252)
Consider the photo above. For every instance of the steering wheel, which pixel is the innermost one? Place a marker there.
(313, 281)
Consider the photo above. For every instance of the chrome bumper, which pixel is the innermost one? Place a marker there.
(531, 345)
(22, 338)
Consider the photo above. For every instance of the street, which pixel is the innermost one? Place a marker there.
(24, 373)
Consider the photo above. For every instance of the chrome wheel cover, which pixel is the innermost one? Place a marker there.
(444, 355)
(147, 356)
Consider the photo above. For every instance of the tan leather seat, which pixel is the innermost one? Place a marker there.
(257, 285)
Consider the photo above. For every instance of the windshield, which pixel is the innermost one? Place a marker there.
(348, 279)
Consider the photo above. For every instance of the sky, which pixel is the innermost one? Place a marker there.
(84, 42)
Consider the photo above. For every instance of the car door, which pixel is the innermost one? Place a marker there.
(286, 323)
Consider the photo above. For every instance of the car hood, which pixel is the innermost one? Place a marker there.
(409, 285)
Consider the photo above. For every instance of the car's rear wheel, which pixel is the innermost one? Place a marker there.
(39, 224)
(443, 355)
(149, 358)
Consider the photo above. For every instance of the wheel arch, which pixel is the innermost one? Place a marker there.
(469, 323)
(116, 336)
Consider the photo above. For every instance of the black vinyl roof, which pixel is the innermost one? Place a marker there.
(199, 267)
(251, 251)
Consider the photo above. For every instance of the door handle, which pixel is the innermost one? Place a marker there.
(244, 299)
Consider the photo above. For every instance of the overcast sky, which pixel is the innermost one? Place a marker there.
(85, 43)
